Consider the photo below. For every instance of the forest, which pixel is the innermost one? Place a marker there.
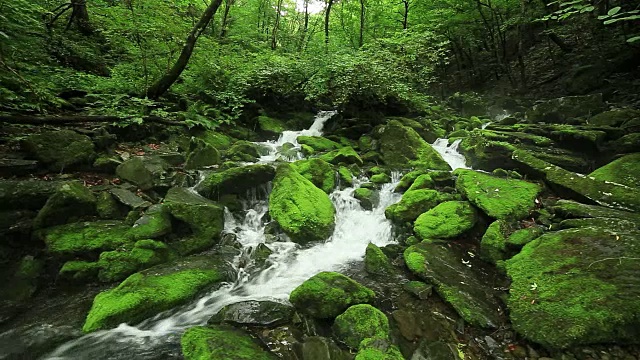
(320, 179)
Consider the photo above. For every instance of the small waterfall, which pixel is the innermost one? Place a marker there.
(287, 267)
(450, 154)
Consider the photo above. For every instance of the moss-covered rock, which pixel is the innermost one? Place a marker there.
(60, 149)
(625, 171)
(155, 223)
(614, 117)
(221, 342)
(271, 127)
(403, 148)
(407, 180)
(376, 262)
(494, 242)
(201, 154)
(561, 109)
(146, 172)
(472, 297)
(360, 322)
(117, 265)
(368, 198)
(236, 180)
(216, 139)
(328, 294)
(497, 197)
(154, 290)
(602, 192)
(319, 144)
(345, 176)
(576, 287)
(108, 208)
(256, 313)
(571, 209)
(88, 238)
(318, 171)
(71, 201)
(26, 194)
(79, 271)
(303, 211)
(378, 349)
(414, 203)
(380, 179)
(345, 155)
(424, 181)
(243, 151)
(522, 237)
(446, 220)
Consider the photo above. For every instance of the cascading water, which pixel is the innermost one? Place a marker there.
(288, 266)
(450, 154)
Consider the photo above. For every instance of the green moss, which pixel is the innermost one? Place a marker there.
(319, 144)
(318, 171)
(376, 262)
(156, 222)
(307, 150)
(360, 322)
(201, 154)
(402, 147)
(345, 175)
(494, 242)
(218, 140)
(576, 286)
(345, 155)
(572, 209)
(614, 117)
(86, 238)
(236, 180)
(79, 271)
(418, 289)
(271, 125)
(327, 294)
(447, 220)
(60, 149)
(221, 342)
(414, 203)
(415, 261)
(303, 211)
(365, 143)
(72, 200)
(407, 180)
(424, 181)
(497, 197)
(380, 179)
(152, 291)
(523, 236)
(117, 265)
(108, 208)
(378, 349)
(625, 171)
(368, 198)
(244, 151)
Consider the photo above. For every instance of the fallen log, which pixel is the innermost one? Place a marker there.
(75, 119)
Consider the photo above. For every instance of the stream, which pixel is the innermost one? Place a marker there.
(289, 266)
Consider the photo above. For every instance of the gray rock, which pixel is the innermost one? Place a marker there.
(60, 149)
(261, 313)
(129, 199)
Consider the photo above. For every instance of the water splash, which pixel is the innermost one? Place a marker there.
(450, 154)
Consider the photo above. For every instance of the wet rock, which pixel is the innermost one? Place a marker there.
(575, 287)
(86, 238)
(26, 194)
(201, 155)
(368, 198)
(414, 203)
(71, 201)
(499, 198)
(447, 220)
(77, 271)
(221, 342)
(318, 143)
(304, 212)
(402, 147)
(162, 287)
(146, 172)
(376, 262)
(129, 199)
(318, 171)
(106, 164)
(614, 118)
(328, 294)
(345, 176)
(562, 109)
(586, 187)
(625, 171)
(437, 350)
(260, 254)
(345, 155)
(243, 151)
(359, 322)
(204, 218)
(17, 167)
(252, 312)
(60, 149)
(407, 180)
(20, 285)
(473, 299)
(321, 348)
(155, 223)
(380, 179)
(419, 289)
(236, 180)
(271, 127)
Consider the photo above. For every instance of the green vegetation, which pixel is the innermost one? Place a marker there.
(360, 322)
(221, 342)
(318, 171)
(376, 262)
(414, 203)
(447, 220)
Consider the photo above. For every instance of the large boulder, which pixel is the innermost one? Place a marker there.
(560, 110)
(584, 187)
(360, 322)
(568, 209)
(235, 181)
(154, 290)
(345, 155)
(328, 294)
(201, 155)
(60, 149)
(576, 287)
(303, 211)
(403, 148)
(221, 342)
(376, 261)
(26, 194)
(447, 220)
(252, 312)
(472, 297)
(414, 203)
(614, 117)
(318, 143)
(318, 171)
(86, 239)
(71, 201)
(625, 171)
(498, 197)
(244, 151)
(146, 172)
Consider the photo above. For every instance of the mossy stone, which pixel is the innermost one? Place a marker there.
(376, 262)
(345, 176)
(271, 126)
(360, 322)
(318, 171)
(424, 181)
(575, 287)
(108, 208)
(625, 171)
(520, 238)
(117, 265)
(380, 179)
(216, 139)
(328, 294)
(494, 242)
(319, 144)
(414, 203)
(236, 180)
(303, 211)
(221, 342)
(402, 148)
(146, 172)
(375, 348)
(154, 290)
(71, 201)
(60, 149)
(86, 238)
(497, 197)
(447, 220)
(201, 155)
(345, 155)
(79, 271)
(155, 223)
(244, 151)
(571, 209)
(252, 312)
(407, 180)
(368, 198)
(614, 117)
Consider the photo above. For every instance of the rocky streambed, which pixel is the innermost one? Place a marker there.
(508, 238)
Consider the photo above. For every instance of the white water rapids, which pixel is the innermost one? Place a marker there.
(290, 265)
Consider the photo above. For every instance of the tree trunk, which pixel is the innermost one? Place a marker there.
(80, 17)
(362, 14)
(164, 83)
(305, 31)
(405, 15)
(274, 32)
(326, 24)
(225, 18)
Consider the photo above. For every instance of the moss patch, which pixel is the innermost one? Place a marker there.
(625, 171)
(345, 155)
(447, 220)
(72, 200)
(318, 171)
(319, 144)
(87, 238)
(221, 342)
(403, 148)
(236, 180)
(414, 203)
(376, 262)
(359, 322)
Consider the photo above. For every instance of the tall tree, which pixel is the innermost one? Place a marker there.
(327, 14)
(274, 32)
(225, 18)
(362, 15)
(164, 83)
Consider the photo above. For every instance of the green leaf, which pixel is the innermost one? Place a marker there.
(614, 11)
(587, 9)
(633, 39)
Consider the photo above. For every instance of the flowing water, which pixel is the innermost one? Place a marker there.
(450, 153)
(288, 266)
